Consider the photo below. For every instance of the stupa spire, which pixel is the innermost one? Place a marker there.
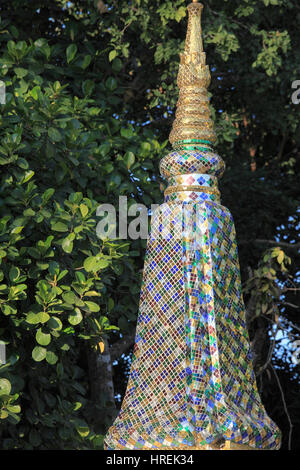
(193, 120)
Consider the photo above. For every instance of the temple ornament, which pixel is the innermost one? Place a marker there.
(192, 384)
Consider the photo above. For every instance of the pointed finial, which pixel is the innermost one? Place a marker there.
(193, 121)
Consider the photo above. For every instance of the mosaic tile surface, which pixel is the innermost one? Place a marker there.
(191, 383)
(191, 379)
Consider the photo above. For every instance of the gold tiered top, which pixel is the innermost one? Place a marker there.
(193, 121)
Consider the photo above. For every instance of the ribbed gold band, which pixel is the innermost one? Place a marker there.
(195, 188)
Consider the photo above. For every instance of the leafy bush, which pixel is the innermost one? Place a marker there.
(61, 154)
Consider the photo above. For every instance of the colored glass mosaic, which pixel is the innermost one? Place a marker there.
(191, 383)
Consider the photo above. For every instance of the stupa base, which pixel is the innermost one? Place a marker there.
(226, 445)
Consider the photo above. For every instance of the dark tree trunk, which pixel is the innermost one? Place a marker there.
(101, 388)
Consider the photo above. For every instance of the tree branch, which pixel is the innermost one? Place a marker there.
(285, 407)
(290, 246)
(119, 347)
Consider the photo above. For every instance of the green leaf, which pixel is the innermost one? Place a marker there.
(22, 163)
(71, 52)
(280, 257)
(14, 273)
(112, 55)
(47, 195)
(54, 323)
(67, 245)
(117, 65)
(90, 263)
(98, 441)
(88, 87)
(145, 146)
(127, 133)
(8, 309)
(83, 431)
(35, 92)
(17, 230)
(180, 13)
(102, 264)
(104, 148)
(59, 227)
(92, 293)
(3, 414)
(69, 297)
(20, 72)
(129, 159)
(54, 134)
(111, 304)
(42, 338)
(14, 31)
(39, 353)
(75, 317)
(35, 318)
(27, 176)
(14, 408)
(86, 61)
(111, 83)
(92, 306)
(84, 210)
(51, 357)
(5, 387)
(28, 212)
(81, 427)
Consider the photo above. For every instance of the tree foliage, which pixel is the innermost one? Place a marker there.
(90, 97)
